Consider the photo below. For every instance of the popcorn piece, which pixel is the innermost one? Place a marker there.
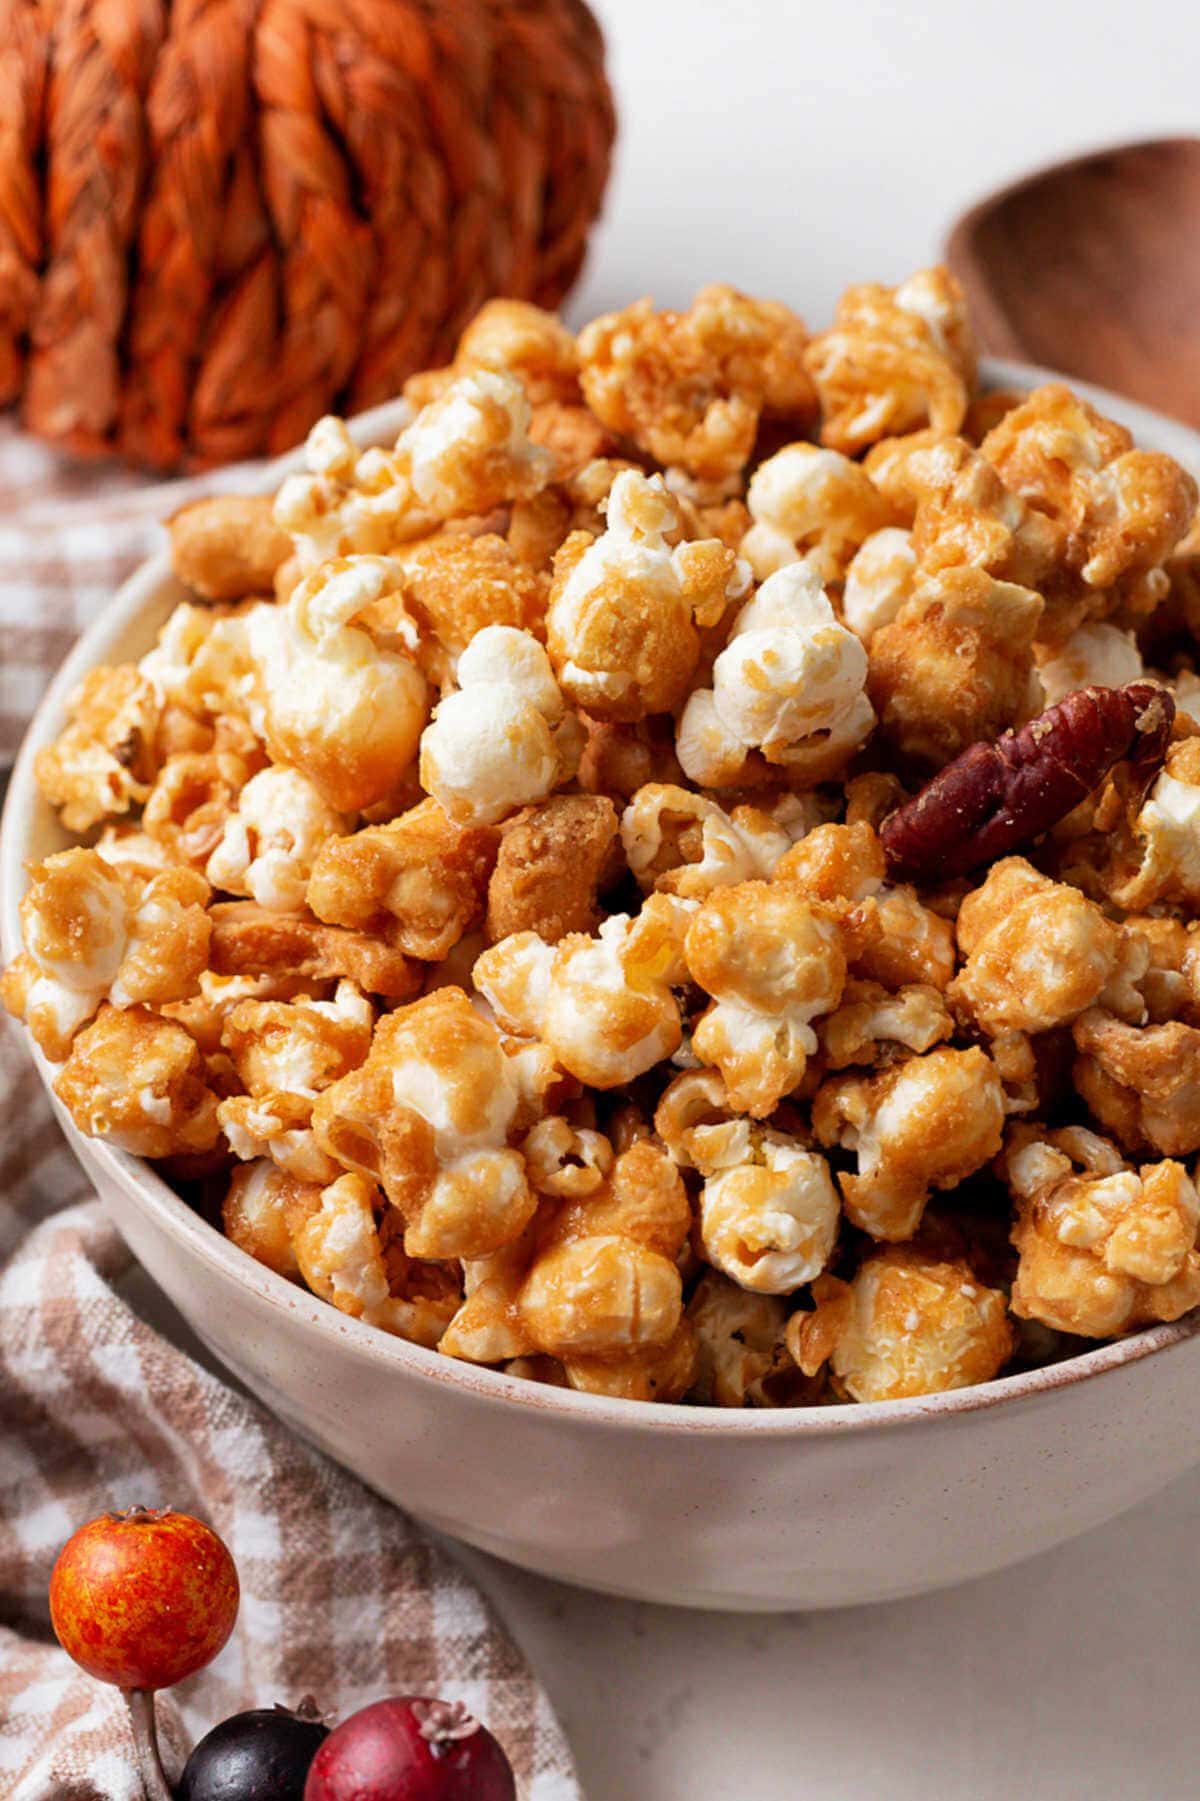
(227, 547)
(138, 1082)
(654, 1373)
(906, 1325)
(889, 936)
(429, 1116)
(601, 1295)
(1161, 861)
(202, 671)
(344, 710)
(96, 932)
(254, 1214)
(271, 841)
(956, 665)
(504, 739)
(1123, 511)
(284, 1055)
(565, 1161)
(553, 860)
(621, 627)
(923, 1124)
(1095, 655)
(470, 449)
(106, 759)
(1038, 953)
(690, 387)
(604, 1006)
(789, 682)
(340, 1245)
(456, 583)
(488, 1327)
(1142, 1085)
(511, 337)
(418, 881)
(1103, 1248)
(465, 452)
(812, 504)
(678, 842)
(194, 797)
(248, 940)
(772, 963)
(966, 517)
(596, 1281)
(604, 1282)
(739, 1342)
(696, 1121)
(894, 359)
(872, 1026)
(879, 580)
(770, 1223)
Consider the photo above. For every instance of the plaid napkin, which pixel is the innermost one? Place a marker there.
(342, 1596)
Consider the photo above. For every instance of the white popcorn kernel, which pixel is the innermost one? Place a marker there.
(490, 748)
(879, 580)
(1095, 655)
(810, 503)
(771, 1224)
(269, 844)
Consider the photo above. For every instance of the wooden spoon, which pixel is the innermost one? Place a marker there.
(1093, 267)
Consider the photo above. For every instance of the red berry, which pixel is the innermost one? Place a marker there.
(143, 1599)
(410, 1748)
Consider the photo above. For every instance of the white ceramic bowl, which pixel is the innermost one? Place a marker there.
(702, 1507)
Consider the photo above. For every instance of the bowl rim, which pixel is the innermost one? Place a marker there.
(147, 587)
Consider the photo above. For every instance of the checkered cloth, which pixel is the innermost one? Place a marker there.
(342, 1597)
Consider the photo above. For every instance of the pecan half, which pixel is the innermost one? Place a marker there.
(995, 797)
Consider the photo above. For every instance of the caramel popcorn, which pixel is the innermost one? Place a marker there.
(927, 1122)
(622, 625)
(1123, 511)
(620, 884)
(1102, 1247)
(138, 1081)
(419, 881)
(789, 683)
(429, 1116)
(504, 738)
(1038, 953)
(689, 388)
(906, 1325)
(894, 360)
(812, 505)
(772, 962)
(955, 665)
(106, 760)
(97, 932)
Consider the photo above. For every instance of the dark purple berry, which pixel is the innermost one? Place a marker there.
(263, 1755)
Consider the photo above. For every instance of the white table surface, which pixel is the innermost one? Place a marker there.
(791, 149)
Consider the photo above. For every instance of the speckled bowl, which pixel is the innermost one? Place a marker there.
(702, 1507)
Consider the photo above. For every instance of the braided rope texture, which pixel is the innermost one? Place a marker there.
(220, 219)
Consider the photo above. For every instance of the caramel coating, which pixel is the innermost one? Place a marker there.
(552, 862)
(418, 881)
(229, 547)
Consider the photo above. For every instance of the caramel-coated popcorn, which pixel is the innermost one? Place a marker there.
(650, 880)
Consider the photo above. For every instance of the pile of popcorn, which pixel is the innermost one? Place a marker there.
(681, 877)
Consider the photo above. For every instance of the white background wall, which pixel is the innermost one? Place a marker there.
(792, 147)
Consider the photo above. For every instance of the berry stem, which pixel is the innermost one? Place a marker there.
(140, 1702)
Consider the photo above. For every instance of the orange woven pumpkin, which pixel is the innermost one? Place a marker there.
(221, 218)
